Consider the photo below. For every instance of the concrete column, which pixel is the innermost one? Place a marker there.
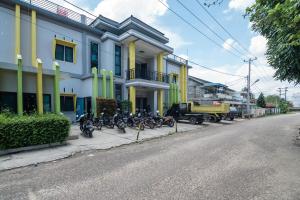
(20, 86)
(160, 97)
(95, 90)
(56, 69)
(103, 72)
(132, 90)
(111, 84)
(155, 108)
(33, 38)
(17, 30)
(39, 86)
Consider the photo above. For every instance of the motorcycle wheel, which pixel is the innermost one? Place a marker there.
(171, 123)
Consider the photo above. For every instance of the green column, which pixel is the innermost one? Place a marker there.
(170, 95)
(56, 69)
(95, 90)
(103, 72)
(111, 83)
(176, 93)
(20, 86)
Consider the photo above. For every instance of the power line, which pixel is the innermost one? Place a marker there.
(240, 44)
(229, 74)
(208, 27)
(190, 24)
(208, 68)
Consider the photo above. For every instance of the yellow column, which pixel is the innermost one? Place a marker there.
(18, 30)
(182, 83)
(33, 38)
(132, 75)
(160, 93)
(39, 86)
(185, 84)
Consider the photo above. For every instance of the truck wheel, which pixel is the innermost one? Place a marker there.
(199, 121)
(193, 120)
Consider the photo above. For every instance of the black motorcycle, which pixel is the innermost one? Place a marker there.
(134, 121)
(158, 120)
(86, 125)
(118, 120)
(106, 120)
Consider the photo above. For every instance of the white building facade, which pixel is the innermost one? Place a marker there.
(53, 59)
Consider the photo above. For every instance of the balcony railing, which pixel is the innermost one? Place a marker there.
(177, 58)
(147, 75)
(60, 10)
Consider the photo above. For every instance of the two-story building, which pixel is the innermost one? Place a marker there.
(53, 59)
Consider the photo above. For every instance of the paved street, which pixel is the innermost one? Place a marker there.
(254, 159)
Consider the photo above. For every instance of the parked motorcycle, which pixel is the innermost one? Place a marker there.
(119, 121)
(86, 125)
(106, 120)
(135, 121)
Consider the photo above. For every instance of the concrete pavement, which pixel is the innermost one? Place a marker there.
(254, 159)
(104, 139)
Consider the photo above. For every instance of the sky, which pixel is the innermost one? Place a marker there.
(192, 45)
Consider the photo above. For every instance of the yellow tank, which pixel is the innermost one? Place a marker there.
(222, 108)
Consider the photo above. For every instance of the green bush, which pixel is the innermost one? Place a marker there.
(21, 131)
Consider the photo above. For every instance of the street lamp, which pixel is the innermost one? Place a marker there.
(255, 81)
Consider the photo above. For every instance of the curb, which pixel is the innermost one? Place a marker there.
(30, 148)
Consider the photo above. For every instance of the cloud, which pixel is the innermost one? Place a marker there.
(258, 46)
(229, 44)
(146, 10)
(240, 5)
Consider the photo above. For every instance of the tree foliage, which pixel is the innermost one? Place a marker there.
(261, 101)
(279, 22)
(272, 99)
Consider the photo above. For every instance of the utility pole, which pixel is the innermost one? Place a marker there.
(279, 90)
(285, 89)
(249, 61)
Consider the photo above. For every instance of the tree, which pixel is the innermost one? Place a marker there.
(261, 101)
(272, 99)
(279, 22)
(284, 106)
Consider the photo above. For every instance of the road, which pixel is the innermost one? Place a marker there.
(253, 159)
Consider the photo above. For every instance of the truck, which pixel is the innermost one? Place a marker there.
(196, 113)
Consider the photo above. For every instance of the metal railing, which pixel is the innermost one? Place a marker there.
(147, 75)
(60, 10)
(177, 58)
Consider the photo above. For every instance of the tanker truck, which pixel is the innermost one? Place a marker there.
(196, 113)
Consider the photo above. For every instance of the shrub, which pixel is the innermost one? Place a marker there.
(109, 104)
(21, 131)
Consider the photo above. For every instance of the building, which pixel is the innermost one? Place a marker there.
(57, 60)
(206, 91)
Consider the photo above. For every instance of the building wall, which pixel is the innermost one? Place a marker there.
(7, 36)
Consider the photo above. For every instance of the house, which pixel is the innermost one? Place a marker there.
(53, 59)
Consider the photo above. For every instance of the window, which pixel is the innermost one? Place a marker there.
(8, 101)
(117, 60)
(175, 77)
(60, 52)
(64, 53)
(68, 54)
(67, 103)
(118, 92)
(94, 54)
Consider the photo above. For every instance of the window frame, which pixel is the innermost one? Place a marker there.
(91, 45)
(117, 46)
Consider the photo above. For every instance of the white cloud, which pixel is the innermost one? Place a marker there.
(258, 46)
(240, 5)
(229, 44)
(146, 10)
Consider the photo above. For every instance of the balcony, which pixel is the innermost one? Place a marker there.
(147, 75)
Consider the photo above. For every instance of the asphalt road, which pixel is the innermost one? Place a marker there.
(254, 159)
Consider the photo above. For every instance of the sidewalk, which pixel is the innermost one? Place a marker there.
(104, 139)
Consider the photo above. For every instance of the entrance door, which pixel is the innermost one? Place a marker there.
(141, 103)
